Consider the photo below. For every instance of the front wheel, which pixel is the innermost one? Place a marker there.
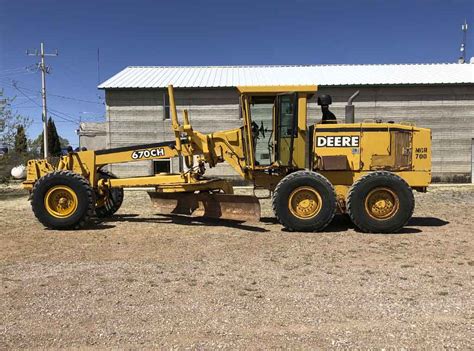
(304, 201)
(63, 200)
(380, 202)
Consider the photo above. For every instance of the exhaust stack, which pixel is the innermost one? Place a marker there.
(350, 109)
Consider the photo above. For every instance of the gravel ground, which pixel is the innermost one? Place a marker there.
(140, 280)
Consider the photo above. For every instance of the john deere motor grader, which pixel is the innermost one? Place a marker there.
(367, 170)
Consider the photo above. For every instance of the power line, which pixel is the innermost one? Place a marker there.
(56, 113)
(75, 99)
(68, 117)
(19, 71)
(13, 69)
(26, 96)
(66, 120)
(15, 105)
(15, 82)
(8, 75)
(58, 96)
(22, 107)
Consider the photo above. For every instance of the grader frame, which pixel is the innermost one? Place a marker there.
(311, 171)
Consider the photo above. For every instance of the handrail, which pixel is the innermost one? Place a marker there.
(174, 118)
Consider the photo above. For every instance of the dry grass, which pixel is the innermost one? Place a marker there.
(144, 280)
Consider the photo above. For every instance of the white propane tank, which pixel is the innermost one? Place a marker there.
(18, 172)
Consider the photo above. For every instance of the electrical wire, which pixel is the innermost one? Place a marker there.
(23, 107)
(16, 105)
(57, 113)
(13, 83)
(18, 71)
(13, 69)
(61, 96)
(52, 111)
(16, 74)
(26, 96)
(75, 99)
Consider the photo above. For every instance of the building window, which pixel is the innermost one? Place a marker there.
(162, 166)
(166, 106)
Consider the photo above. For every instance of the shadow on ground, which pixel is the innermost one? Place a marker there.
(340, 223)
(426, 222)
(184, 220)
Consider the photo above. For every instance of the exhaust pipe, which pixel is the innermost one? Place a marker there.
(350, 109)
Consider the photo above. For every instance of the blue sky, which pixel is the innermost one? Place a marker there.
(218, 32)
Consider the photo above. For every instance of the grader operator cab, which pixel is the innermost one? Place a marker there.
(367, 170)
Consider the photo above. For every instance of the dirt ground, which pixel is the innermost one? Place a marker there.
(141, 280)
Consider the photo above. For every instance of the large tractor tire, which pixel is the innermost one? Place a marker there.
(304, 201)
(107, 205)
(63, 200)
(380, 202)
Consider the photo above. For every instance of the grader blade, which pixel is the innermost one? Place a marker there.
(222, 206)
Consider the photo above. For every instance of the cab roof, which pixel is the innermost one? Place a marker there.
(276, 89)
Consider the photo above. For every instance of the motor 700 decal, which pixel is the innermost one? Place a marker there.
(138, 154)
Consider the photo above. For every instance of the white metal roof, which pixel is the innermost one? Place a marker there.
(325, 75)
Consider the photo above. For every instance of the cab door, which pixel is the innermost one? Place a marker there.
(274, 130)
(249, 147)
(258, 114)
(285, 129)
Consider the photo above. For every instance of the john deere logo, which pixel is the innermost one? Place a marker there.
(337, 141)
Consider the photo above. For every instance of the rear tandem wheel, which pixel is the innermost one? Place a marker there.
(107, 205)
(380, 202)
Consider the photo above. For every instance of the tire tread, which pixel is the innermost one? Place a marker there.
(104, 211)
(84, 183)
(362, 179)
(292, 176)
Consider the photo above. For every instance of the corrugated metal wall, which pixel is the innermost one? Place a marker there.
(136, 117)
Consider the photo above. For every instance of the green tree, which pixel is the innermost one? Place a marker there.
(54, 145)
(55, 141)
(64, 142)
(36, 145)
(21, 144)
(9, 122)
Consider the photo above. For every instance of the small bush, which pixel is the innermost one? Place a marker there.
(10, 160)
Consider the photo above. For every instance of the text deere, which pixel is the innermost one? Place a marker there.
(337, 141)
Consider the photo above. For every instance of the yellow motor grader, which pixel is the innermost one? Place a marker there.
(367, 170)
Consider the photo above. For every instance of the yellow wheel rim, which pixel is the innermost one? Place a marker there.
(60, 201)
(382, 203)
(305, 202)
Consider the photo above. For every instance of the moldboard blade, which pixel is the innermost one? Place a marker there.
(224, 206)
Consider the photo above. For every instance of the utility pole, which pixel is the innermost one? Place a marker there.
(98, 66)
(462, 59)
(3, 102)
(44, 70)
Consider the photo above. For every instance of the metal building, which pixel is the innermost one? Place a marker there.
(92, 135)
(436, 96)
